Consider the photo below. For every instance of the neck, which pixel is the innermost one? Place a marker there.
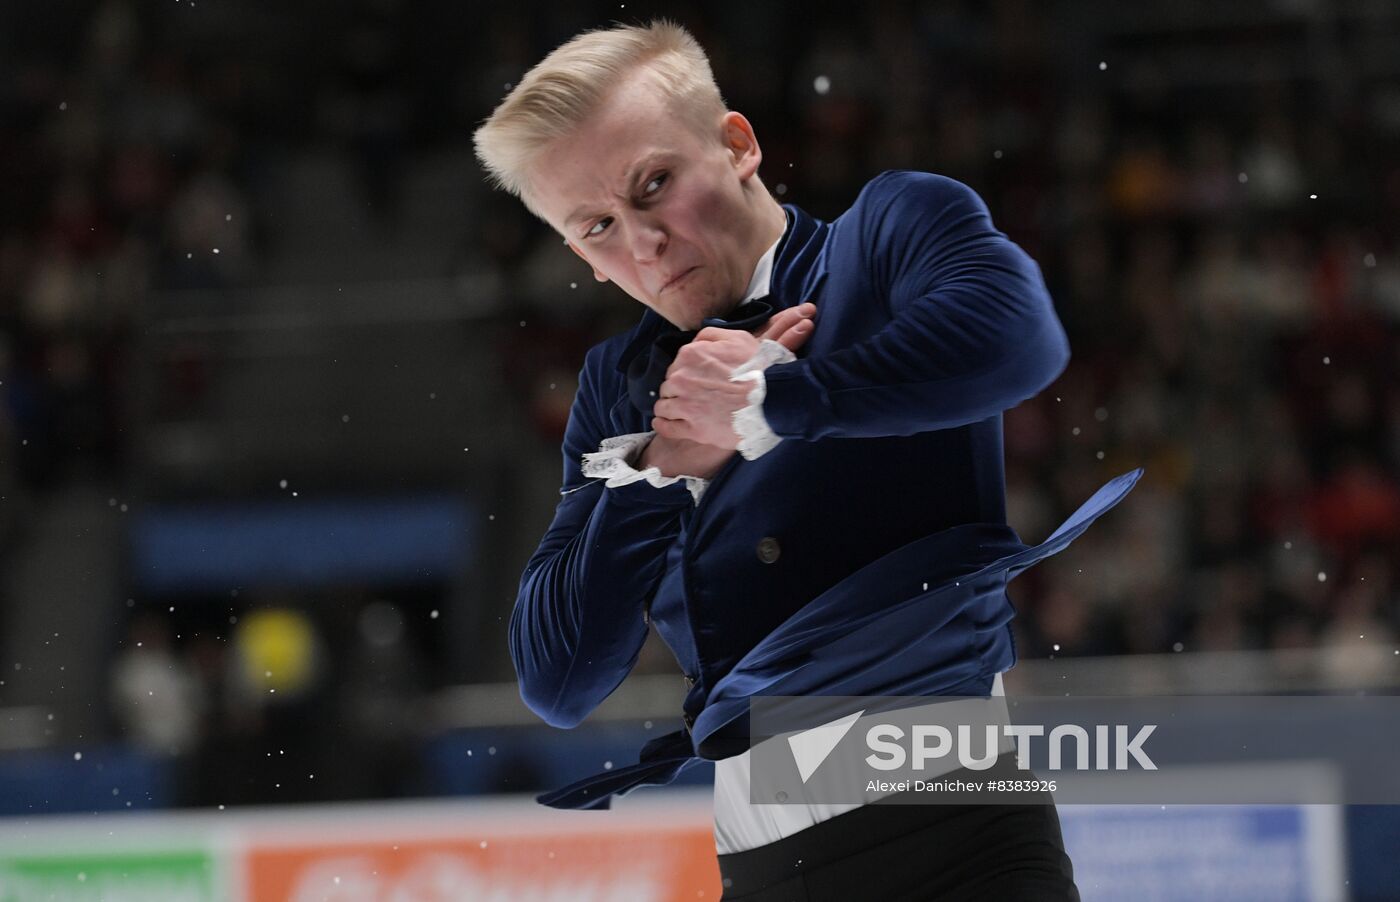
(772, 222)
(774, 225)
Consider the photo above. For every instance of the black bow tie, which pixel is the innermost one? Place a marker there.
(647, 370)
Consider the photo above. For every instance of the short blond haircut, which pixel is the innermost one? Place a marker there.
(572, 82)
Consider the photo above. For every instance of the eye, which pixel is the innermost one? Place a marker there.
(594, 232)
(659, 180)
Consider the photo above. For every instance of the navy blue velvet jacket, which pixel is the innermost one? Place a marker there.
(868, 552)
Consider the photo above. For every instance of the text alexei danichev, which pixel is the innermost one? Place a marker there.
(961, 786)
(925, 785)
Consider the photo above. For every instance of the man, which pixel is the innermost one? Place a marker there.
(795, 455)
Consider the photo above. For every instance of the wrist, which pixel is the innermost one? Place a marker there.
(642, 456)
(750, 424)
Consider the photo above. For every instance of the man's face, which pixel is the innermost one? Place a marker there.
(677, 220)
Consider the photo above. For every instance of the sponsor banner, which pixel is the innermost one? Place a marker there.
(1184, 853)
(1233, 750)
(653, 845)
(135, 877)
(591, 862)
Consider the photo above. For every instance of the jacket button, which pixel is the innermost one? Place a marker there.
(768, 549)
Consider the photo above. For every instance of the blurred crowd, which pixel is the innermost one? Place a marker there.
(1223, 251)
(300, 698)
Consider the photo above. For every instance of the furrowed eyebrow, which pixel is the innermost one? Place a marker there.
(632, 175)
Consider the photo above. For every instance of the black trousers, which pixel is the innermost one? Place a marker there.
(886, 851)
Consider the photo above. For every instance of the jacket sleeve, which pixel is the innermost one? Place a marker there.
(577, 626)
(972, 329)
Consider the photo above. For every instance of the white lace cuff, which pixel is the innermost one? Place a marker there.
(613, 462)
(756, 437)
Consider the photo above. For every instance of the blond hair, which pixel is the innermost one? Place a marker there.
(574, 80)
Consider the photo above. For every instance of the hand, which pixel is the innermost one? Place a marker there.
(682, 457)
(697, 400)
(791, 327)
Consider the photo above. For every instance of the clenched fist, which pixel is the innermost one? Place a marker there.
(697, 400)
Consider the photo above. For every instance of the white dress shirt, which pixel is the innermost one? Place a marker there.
(741, 825)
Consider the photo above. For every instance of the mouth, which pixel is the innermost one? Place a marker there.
(678, 279)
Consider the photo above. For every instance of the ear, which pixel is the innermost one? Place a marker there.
(596, 274)
(741, 143)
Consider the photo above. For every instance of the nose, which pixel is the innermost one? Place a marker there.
(648, 239)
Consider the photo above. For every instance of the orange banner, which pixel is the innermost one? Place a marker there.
(597, 863)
